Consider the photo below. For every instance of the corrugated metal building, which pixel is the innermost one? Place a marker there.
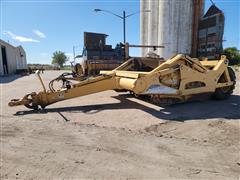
(172, 23)
(11, 58)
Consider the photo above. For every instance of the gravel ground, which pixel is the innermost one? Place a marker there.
(116, 136)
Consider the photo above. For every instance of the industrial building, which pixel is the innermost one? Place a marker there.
(11, 58)
(210, 36)
(95, 48)
(98, 55)
(182, 27)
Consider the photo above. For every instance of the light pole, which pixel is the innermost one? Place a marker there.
(123, 17)
(74, 51)
(74, 54)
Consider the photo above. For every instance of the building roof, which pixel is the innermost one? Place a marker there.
(212, 11)
(95, 33)
(20, 48)
(6, 43)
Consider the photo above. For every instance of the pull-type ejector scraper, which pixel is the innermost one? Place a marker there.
(178, 79)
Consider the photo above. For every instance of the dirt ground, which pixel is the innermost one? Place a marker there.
(116, 136)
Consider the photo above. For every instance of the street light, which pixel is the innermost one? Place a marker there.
(123, 17)
(74, 55)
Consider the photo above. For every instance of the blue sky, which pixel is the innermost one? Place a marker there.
(43, 27)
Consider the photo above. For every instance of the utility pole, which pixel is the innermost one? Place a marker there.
(74, 54)
(124, 27)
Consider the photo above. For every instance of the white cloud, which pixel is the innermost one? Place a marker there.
(39, 33)
(19, 38)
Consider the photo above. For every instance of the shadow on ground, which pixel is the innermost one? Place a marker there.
(9, 78)
(227, 109)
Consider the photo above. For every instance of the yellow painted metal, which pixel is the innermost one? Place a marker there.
(40, 79)
(179, 77)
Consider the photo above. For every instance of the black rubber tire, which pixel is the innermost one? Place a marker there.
(220, 93)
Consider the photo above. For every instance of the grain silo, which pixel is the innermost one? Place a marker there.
(172, 23)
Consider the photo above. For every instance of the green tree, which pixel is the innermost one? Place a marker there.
(59, 58)
(233, 55)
